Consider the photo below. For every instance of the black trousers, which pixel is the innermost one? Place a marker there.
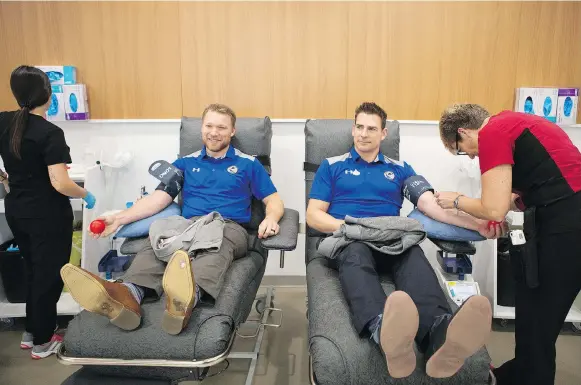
(541, 312)
(359, 268)
(45, 244)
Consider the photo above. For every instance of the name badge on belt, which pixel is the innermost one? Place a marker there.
(517, 237)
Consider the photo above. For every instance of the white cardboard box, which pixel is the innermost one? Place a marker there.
(567, 104)
(56, 110)
(76, 102)
(60, 75)
(540, 101)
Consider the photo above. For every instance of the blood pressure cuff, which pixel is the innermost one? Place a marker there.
(171, 177)
(414, 187)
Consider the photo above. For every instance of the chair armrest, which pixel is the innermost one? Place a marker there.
(286, 239)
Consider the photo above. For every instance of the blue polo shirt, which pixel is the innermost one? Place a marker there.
(360, 189)
(225, 185)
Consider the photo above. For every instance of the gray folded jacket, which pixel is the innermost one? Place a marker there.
(167, 235)
(388, 235)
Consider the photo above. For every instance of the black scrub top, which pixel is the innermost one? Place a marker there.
(31, 193)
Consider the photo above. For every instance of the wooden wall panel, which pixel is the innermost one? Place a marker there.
(226, 57)
(295, 59)
(5, 69)
(141, 60)
(549, 51)
(265, 58)
(29, 36)
(420, 57)
(128, 53)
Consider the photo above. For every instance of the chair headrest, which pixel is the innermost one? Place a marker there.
(253, 137)
(325, 138)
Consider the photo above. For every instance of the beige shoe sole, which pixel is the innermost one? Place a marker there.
(398, 330)
(467, 333)
(91, 295)
(180, 290)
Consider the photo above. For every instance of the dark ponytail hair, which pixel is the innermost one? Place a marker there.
(31, 88)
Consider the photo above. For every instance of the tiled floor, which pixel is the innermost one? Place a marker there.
(284, 359)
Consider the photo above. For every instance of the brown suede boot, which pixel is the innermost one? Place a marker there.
(110, 299)
(180, 290)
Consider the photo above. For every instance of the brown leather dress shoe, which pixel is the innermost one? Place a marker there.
(454, 340)
(110, 299)
(180, 290)
(399, 327)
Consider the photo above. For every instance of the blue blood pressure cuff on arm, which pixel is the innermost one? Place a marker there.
(414, 187)
(171, 177)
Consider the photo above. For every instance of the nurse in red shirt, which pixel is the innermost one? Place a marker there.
(527, 164)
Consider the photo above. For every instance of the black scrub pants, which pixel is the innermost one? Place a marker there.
(359, 269)
(45, 244)
(541, 312)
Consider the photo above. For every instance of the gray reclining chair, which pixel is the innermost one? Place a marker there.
(338, 356)
(151, 353)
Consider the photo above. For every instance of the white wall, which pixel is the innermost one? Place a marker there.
(154, 140)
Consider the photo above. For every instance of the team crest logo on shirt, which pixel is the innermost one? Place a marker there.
(389, 175)
(232, 169)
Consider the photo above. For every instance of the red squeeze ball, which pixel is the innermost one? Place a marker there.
(97, 226)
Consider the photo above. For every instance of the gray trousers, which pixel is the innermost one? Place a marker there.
(209, 267)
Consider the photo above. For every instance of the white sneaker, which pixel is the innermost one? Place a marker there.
(26, 341)
(47, 349)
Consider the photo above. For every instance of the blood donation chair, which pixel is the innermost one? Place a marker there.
(338, 356)
(150, 355)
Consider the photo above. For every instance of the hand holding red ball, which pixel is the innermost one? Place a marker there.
(97, 226)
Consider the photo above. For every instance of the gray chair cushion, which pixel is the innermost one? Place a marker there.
(341, 357)
(207, 334)
(253, 136)
(325, 138)
(331, 137)
(131, 246)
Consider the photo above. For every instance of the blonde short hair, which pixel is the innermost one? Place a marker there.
(221, 109)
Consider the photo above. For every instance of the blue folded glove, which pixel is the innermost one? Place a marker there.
(90, 200)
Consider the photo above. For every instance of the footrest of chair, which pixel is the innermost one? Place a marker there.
(455, 247)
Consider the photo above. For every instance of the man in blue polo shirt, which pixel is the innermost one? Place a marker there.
(218, 178)
(365, 183)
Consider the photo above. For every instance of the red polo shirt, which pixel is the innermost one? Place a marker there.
(546, 164)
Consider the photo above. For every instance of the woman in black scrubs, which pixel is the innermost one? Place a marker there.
(527, 164)
(38, 210)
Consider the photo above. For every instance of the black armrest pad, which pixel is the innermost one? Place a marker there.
(286, 239)
(455, 247)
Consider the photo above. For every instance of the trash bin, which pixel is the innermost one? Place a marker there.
(506, 284)
(13, 273)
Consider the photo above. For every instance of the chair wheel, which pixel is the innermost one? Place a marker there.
(6, 323)
(503, 323)
(261, 304)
